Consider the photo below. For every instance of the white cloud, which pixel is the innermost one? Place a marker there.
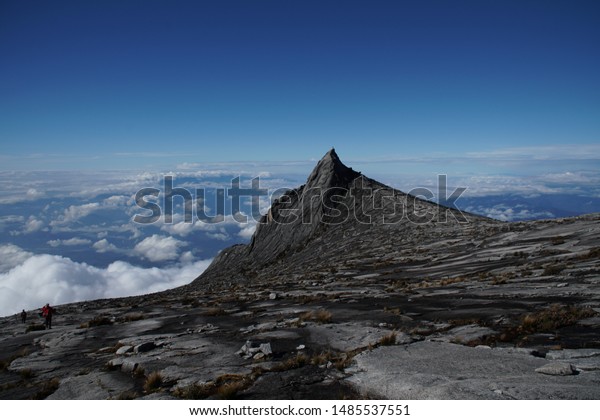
(247, 232)
(11, 256)
(117, 201)
(38, 279)
(221, 236)
(103, 246)
(69, 242)
(506, 213)
(33, 225)
(74, 213)
(159, 248)
(31, 194)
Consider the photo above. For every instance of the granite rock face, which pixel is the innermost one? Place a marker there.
(337, 206)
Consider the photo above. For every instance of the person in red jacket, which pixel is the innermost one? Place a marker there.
(47, 312)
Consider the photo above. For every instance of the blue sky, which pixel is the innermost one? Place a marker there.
(154, 84)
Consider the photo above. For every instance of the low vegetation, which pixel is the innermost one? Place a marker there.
(224, 387)
(214, 312)
(153, 382)
(556, 316)
(547, 320)
(47, 388)
(35, 327)
(320, 316)
(5, 363)
(553, 270)
(137, 316)
(388, 340)
(294, 362)
(96, 322)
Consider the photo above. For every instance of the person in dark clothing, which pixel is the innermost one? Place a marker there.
(23, 316)
(47, 312)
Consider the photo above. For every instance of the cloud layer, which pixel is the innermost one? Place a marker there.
(33, 280)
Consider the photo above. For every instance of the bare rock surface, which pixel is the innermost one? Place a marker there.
(433, 370)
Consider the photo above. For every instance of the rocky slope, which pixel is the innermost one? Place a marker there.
(437, 306)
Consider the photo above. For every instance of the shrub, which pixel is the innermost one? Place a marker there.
(35, 327)
(553, 270)
(96, 322)
(388, 340)
(321, 358)
(133, 317)
(214, 312)
(225, 387)
(153, 382)
(452, 280)
(127, 395)
(47, 388)
(294, 362)
(5, 363)
(557, 316)
(321, 316)
(229, 390)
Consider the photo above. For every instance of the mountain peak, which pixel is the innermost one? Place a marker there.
(331, 172)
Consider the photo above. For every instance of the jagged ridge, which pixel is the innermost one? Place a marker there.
(338, 207)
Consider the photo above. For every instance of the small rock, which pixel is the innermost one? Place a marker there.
(557, 368)
(273, 296)
(259, 356)
(562, 284)
(301, 347)
(115, 363)
(123, 350)
(266, 349)
(128, 366)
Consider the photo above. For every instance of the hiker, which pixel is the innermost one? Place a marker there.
(47, 312)
(23, 316)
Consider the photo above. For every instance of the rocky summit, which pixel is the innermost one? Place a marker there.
(348, 289)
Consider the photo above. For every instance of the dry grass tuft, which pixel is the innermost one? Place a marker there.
(320, 316)
(48, 388)
(294, 362)
(35, 327)
(214, 312)
(153, 382)
(127, 395)
(133, 317)
(557, 316)
(224, 387)
(388, 340)
(553, 270)
(96, 322)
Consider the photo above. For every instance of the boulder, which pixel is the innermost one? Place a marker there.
(123, 350)
(265, 349)
(129, 366)
(557, 368)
